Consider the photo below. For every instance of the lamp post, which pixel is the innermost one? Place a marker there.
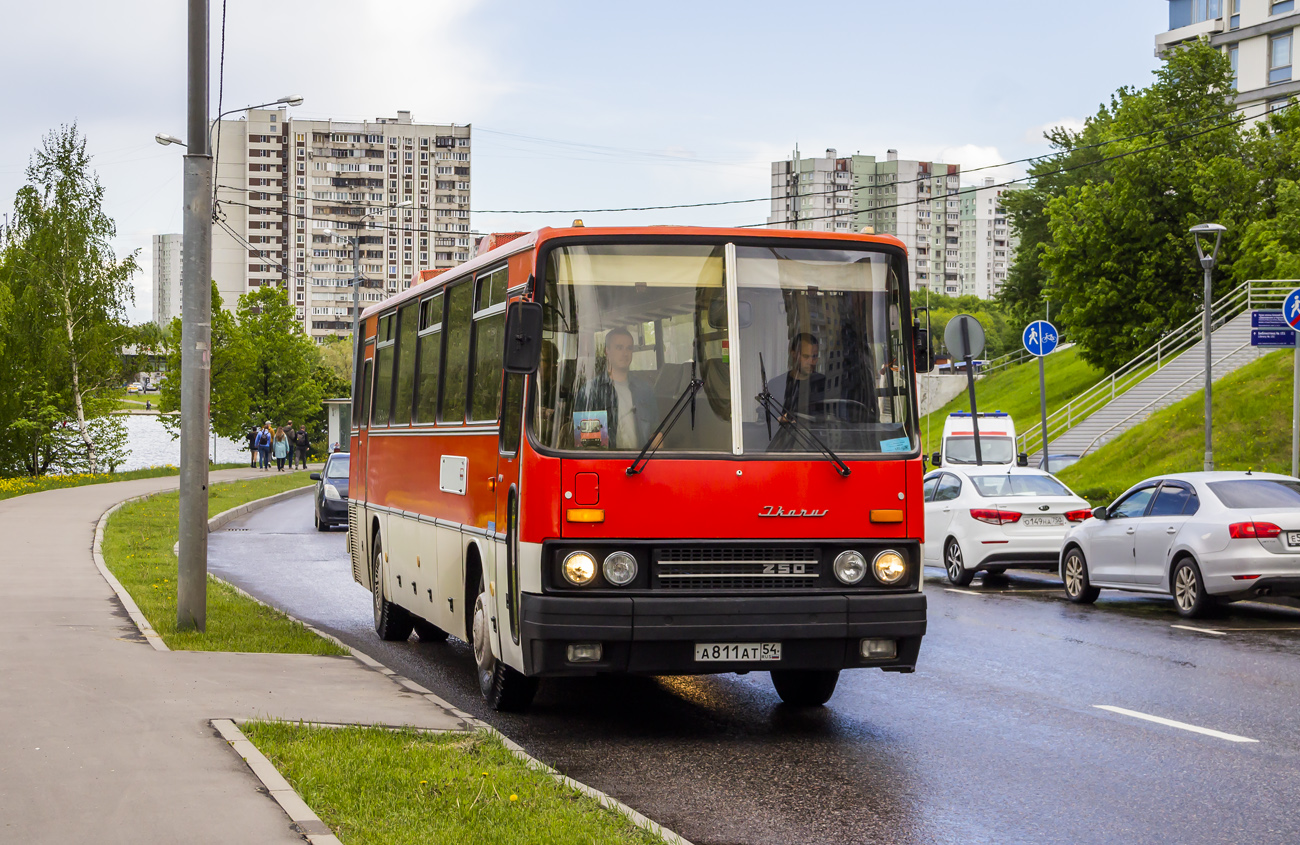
(356, 271)
(1204, 230)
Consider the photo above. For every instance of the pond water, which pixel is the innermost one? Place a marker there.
(151, 445)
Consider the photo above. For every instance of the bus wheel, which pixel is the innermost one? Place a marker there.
(805, 687)
(391, 621)
(503, 688)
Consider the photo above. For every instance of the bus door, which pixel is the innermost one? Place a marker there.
(507, 510)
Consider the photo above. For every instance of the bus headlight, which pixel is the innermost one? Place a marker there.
(619, 569)
(850, 567)
(579, 568)
(890, 567)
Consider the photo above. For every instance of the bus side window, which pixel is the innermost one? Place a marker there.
(385, 349)
(489, 326)
(460, 301)
(404, 386)
(367, 380)
(430, 359)
(512, 413)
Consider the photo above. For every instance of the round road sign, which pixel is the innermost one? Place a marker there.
(962, 343)
(1040, 338)
(1291, 309)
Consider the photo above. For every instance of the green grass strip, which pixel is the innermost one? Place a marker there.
(23, 484)
(373, 785)
(138, 542)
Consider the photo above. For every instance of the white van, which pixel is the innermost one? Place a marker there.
(997, 441)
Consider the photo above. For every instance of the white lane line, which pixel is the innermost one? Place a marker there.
(961, 592)
(1198, 630)
(1171, 723)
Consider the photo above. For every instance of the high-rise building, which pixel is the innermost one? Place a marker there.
(292, 194)
(166, 279)
(1257, 35)
(916, 201)
(986, 244)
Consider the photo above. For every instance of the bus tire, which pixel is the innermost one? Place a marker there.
(805, 687)
(503, 688)
(391, 622)
(428, 632)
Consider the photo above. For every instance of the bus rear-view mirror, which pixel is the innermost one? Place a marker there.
(523, 337)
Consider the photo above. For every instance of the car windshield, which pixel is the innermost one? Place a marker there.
(338, 467)
(1008, 484)
(1257, 493)
(994, 450)
(816, 346)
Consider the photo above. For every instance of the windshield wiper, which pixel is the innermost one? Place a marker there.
(788, 419)
(666, 425)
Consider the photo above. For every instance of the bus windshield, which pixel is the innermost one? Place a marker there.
(815, 347)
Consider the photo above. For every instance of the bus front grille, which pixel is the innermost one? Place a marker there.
(736, 568)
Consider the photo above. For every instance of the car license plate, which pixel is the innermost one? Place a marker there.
(737, 652)
(1042, 520)
(1293, 538)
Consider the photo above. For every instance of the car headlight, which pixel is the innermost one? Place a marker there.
(890, 567)
(332, 492)
(850, 567)
(579, 568)
(619, 569)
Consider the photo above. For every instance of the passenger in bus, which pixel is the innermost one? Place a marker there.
(802, 389)
(627, 398)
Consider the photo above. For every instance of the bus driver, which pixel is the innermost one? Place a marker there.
(802, 389)
(628, 398)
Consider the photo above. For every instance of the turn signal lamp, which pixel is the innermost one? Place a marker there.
(1259, 530)
(585, 514)
(995, 517)
(886, 516)
(890, 567)
(579, 568)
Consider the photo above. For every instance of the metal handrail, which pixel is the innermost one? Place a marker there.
(1245, 297)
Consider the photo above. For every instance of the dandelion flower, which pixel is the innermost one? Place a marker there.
(514, 797)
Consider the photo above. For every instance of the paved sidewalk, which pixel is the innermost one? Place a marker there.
(103, 739)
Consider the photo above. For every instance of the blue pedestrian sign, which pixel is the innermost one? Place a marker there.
(1040, 338)
(1291, 309)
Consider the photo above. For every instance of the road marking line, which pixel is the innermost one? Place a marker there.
(961, 592)
(1261, 629)
(1198, 630)
(1171, 723)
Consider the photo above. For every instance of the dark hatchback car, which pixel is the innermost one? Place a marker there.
(332, 492)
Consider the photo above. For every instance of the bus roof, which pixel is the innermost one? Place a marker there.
(535, 239)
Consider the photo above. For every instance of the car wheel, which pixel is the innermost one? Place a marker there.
(320, 525)
(1078, 588)
(429, 633)
(503, 688)
(805, 687)
(958, 574)
(1188, 589)
(391, 622)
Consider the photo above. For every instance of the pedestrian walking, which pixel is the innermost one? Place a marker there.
(252, 447)
(280, 449)
(303, 445)
(264, 439)
(289, 435)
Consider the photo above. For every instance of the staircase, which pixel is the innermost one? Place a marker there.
(1171, 370)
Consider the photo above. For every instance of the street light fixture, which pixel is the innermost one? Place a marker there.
(1199, 232)
(166, 139)
(356, 268)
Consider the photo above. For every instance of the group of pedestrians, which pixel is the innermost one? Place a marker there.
(282, 444)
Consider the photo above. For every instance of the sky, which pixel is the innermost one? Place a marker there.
(576, 105)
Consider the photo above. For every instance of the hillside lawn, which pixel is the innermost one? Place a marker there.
(1252, 430)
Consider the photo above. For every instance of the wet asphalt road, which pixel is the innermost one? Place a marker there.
(996, 738)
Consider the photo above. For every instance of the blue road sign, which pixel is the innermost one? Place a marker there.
(1279, 338)
(1268, 320)
(1040, 338)
(1291, 309)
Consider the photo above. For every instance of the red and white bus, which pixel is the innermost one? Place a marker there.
(650, 450)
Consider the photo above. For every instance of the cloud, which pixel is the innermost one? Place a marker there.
(1035, 134)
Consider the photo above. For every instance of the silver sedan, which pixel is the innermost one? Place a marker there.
(1201, 537)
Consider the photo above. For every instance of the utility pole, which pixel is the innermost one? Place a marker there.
(356, 288)
(1207, 323)
(196, 335)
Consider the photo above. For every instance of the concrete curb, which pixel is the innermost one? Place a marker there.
(225, 517)
(132, 609)
(307, 822)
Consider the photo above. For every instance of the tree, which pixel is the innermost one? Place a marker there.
(229, 373)
(69, 294)
(281, 359)
(337, 353)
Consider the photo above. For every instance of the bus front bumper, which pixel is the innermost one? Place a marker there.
(657, 635)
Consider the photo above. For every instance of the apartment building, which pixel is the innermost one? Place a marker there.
(166, 279)
(293, 194)
(916, 201)
(1258, 37)
(985, 242)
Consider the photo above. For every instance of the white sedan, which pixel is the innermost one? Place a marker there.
(1198, 536)
(996, 518)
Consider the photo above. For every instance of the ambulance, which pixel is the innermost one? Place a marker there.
(997, 441)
